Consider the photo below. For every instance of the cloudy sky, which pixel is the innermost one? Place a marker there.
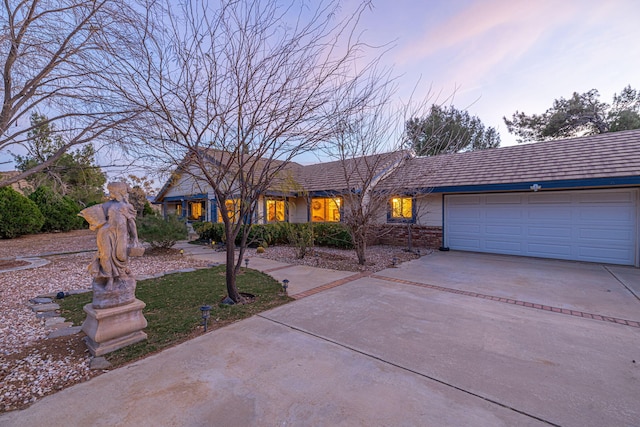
(499, 56)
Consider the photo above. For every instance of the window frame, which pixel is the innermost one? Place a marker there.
(401, 219)
(276, 201)
(337, 200)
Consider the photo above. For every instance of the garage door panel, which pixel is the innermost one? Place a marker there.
(506, 230)
(603, 254)
(612, 213)
(504, 199)
(467, 229)
(550, 214)
(549, 250)
(549, 232)
(593, 225)
(466, 200)
(504, 246)
(624, 197)
(467, 213)
(504, 212)
(547, 198)
(465, 244)
(607, 234)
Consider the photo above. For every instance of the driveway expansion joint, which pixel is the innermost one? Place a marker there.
(575, 313)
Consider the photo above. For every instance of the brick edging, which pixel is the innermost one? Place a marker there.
(330, 285)
(552, 309)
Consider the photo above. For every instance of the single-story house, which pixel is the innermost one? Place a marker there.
(572, 199)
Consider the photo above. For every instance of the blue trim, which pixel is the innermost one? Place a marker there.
(216, 211)
(184, 209)
(545, 185)
(325, 193)
(186, 197)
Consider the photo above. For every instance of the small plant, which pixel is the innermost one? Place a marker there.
(260, 250)
(160, 232)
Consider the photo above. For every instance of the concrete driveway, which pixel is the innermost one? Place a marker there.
(439, 341)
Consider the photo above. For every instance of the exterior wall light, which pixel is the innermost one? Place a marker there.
(536, 187)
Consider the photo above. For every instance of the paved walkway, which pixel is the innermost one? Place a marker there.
(303, 280)
(414, 345)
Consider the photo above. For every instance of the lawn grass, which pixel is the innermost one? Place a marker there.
(173, 307)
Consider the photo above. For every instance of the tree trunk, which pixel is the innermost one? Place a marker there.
(360, 242)
(232, 289)
(409, 237)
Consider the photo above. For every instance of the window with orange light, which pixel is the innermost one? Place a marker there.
(275, 210)
(325, 209)
(196, 210)
(401, 208)
(233, 209)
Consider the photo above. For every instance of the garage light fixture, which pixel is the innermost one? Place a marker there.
(535, 187)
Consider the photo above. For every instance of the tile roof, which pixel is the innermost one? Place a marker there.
(350, 173)
(608, 155)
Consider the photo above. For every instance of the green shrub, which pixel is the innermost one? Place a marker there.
(299, 235)
(209, 231)
(160, 232)
(334, 235)
(18, 214)
(60, 212)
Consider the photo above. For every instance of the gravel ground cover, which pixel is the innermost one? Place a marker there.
(32, 365)
(378, 257)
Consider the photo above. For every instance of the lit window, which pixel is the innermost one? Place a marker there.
(325, 209)
(179, 209)
(401, 208)
(195, 210)
(233, 209)
(275, 210)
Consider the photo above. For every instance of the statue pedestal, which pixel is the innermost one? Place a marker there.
(110, 329)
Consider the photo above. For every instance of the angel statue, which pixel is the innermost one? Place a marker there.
(117, 239)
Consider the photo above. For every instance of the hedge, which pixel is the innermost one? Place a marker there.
(18, 214)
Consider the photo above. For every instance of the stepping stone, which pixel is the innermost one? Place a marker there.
(40, 300)
(46, 314)
(53, 321)
(56, 326)
(63, 332)
(99, 363)
(45, 307)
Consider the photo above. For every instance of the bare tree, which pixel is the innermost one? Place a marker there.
(234, 91)
(369, 144)
(58, 60)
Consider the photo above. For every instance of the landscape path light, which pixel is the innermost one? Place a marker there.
(206, 312)
(285, 285)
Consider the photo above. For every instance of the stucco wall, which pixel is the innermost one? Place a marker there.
(297, 209)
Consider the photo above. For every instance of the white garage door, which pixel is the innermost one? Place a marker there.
(598, 226)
